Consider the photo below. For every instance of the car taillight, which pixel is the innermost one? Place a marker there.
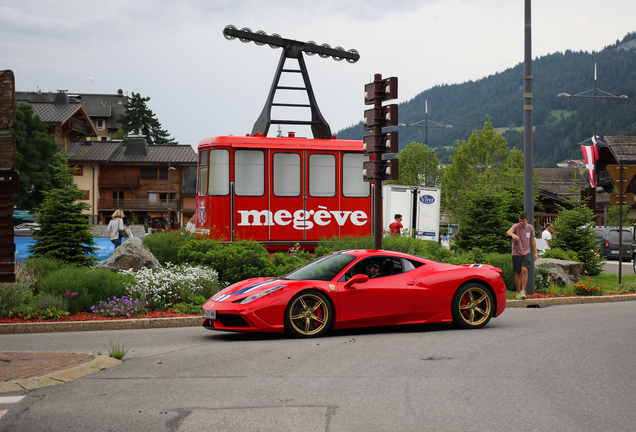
(606, 244)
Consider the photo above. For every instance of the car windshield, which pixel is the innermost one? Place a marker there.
(324, 268)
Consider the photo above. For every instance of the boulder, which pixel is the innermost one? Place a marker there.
(568, 271)
(132, 254)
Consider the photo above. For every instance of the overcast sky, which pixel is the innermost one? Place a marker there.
(202, 85)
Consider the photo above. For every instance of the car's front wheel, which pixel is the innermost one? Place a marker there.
(472, 306)
(308, 314)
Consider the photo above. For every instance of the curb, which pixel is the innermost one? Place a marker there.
(195, 321)
(123, 324)
(553, 301)
(99, 363)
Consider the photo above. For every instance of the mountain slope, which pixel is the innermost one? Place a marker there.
(560, 124)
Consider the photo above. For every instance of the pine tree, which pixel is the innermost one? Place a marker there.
(140, 119)
(65, 232)
(35, 158)
(574, 230)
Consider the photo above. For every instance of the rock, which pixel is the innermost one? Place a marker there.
(568, 271)
(132, 254)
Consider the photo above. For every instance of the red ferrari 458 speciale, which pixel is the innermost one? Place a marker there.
(360, 288)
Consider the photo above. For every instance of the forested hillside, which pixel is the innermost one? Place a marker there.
(560, 124)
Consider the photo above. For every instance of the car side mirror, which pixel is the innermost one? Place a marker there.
(359, 278)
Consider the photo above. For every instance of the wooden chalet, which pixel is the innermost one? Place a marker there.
(557, 186)
(104, 110)
(67, 120)
(150, 183)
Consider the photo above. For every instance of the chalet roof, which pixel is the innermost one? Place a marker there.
(115, 152)
(557, 181)
(158, 153)
(107, 106)
(92, 151)
(623, 148)
(58, 110)
(51, 113)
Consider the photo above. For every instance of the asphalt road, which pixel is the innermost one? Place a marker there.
(560, 368)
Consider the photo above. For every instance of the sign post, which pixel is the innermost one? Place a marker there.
(622, 176)
(380, 143)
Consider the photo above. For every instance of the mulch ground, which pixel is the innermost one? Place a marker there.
(84, 316)
(20, 365)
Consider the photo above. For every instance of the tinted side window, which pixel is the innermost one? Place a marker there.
(613, 236)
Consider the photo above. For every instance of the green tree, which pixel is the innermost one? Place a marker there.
(483, 224)
(485, 160)
(140, 119)
(65, 232)
(574, 230)
(36, 157)
(418, 166)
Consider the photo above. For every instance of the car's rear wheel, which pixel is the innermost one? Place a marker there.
(472, 306)
(308, 314)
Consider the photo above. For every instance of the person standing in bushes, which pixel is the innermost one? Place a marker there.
(116, 225)
(396, 227)
(546, 235)
(523, 237)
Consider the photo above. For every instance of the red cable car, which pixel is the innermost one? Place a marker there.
(284, 190)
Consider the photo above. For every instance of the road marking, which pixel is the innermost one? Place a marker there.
(9, 400)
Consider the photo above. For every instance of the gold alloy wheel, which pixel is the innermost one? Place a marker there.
(475, 306)
(309, 314)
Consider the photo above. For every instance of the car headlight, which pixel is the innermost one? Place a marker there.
(253, 297)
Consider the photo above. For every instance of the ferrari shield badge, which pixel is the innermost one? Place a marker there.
(333, 287)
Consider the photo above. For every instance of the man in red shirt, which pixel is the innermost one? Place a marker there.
(396, 227)
(522, 235)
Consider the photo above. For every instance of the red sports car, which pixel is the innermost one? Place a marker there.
(360, 288)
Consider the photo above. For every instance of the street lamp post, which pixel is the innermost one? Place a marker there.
(426, 124)
(594, 96)
(169, 189)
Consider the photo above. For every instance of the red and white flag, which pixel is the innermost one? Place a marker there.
(590, 156)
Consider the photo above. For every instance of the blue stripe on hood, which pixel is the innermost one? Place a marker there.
(242, 290)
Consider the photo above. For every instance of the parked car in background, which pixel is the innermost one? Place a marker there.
(608, 239)
(25, 229)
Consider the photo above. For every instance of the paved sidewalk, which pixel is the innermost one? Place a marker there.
(35, 369)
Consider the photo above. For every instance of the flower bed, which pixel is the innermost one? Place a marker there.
(84, 316)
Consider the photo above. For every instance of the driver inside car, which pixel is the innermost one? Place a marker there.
(372, 269)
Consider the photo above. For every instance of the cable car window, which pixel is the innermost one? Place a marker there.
(352, 184)
(203, 180)
(322, 175)
(249, 172)
(203, 157)
(286, 174)
(219, 179)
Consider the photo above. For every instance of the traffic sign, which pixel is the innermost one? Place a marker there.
(626, 198)
(627, 172)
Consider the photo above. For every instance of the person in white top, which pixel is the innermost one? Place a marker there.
(546, 235)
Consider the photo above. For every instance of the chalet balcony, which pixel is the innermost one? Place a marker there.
(135, 204)
(78, 125)
(119, 181)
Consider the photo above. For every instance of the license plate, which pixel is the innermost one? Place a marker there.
(209, 314)
(614, 252)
